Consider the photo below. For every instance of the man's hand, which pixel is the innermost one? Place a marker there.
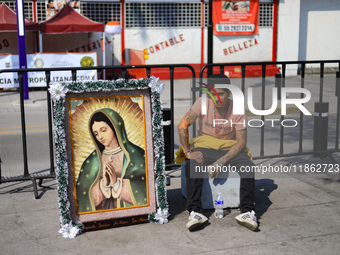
(196, 155)
(241, 138)
(215, 169)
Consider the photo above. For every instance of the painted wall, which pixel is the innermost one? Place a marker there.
(319, 26)
(176, 45)
(166, 46)
(288, 33)
(241, 48)
(308, 30)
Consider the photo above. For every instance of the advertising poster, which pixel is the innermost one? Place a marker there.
(48, 60)
(235, 17)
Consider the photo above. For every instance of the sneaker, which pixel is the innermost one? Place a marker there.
(195, 220)
(248, 220)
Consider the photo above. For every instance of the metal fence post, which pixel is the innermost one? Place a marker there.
(278, 77)
(337, 94)
(167, 135)
(320, 128)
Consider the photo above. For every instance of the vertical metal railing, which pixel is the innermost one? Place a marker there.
(243, 78)
(280, 82)
(124, 69)
(23, 124)
(303, 66)
(172, 107)
(263, 97)
(283, 85)
(337, 94)
(50, 125)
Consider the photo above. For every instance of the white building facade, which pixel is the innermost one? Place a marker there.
(175, 32)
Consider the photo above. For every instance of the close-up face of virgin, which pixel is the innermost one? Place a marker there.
(103, 133)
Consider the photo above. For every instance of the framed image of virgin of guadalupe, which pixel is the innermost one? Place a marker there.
(110, 154)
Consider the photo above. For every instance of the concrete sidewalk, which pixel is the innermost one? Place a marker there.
(298, 214)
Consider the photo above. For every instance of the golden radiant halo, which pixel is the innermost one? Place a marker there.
(129, 108)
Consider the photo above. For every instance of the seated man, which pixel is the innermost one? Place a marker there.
(233, 130)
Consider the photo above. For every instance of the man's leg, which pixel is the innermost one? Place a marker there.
(193, 190)
(247, 182)
(247, 217)
(194, 185)
(194, 203)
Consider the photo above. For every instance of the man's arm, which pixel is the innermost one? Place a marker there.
(183, 129)
(241, 138)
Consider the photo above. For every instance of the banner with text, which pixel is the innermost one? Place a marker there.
(48, 60)
(235, 17)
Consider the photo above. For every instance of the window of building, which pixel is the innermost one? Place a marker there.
(96, 11)
(28, 8)
(266, 15)
(41, 11)
(162, 15)
(206, 14)
(101, 11)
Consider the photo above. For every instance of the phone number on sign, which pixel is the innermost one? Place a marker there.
(316, 168)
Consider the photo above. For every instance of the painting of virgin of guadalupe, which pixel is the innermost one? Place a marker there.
(114, 174)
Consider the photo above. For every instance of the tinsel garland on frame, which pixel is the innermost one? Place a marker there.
(58, 92)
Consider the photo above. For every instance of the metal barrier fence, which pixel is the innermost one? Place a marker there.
(318, 150)
(320, 110)
(27, 176)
